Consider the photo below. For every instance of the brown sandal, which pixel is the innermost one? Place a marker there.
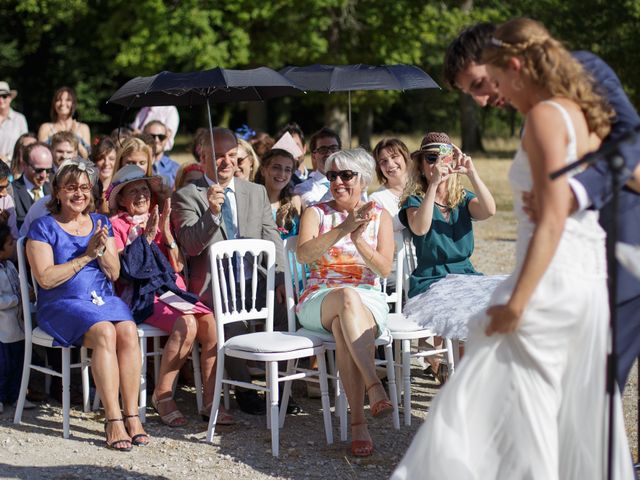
(361, 448)
(381, 408)
(172, 419)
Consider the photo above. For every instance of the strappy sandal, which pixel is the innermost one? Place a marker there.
(381, 408)
(172, 419)
(361, 448)
(112, 445)
(224, 417)
(135, 439)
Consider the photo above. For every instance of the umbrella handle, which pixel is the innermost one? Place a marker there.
(213, 146)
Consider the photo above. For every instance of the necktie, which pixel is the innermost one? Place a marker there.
(227, 215)
(37, 193)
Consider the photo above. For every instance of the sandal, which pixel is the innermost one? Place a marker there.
(112, 445)
(361, 448)
(224, 417)
(135, 439)
(172, 419)
(381, 408)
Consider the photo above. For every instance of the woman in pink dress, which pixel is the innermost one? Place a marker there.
(135, 214)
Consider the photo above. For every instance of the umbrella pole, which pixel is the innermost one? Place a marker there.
(213, 147)
(349, 118)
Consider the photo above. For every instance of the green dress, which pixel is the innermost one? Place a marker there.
(445, 249)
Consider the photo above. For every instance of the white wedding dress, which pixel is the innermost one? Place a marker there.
(531, 404)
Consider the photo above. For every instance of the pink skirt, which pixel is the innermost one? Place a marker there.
(164, 317)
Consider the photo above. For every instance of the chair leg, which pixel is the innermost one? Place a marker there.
(324, 396)
(84, 367)
(24, 383)
(197, 373)
(341, 407)
(406, 380)
(213, 416)
(455, 357)
(391, 376)
(334, 378)
(273, 412)
(286, 393)
(142, 401)
(397, 354)
(66, 397)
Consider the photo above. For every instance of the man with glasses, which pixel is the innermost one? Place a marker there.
(315, 189)
(162, 164)
(12, 123)
(169, 117)
(34, 182)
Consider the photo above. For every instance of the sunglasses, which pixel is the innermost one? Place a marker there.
(41, 170)
(72, 188)
(328, 149)
(5, 95)
(159, 136)
(345, 175)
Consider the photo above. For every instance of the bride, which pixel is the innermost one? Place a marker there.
(529, 398)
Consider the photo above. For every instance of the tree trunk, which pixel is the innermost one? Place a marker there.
(336, 118)
(469, 127)
(365, 128)
(257, 116)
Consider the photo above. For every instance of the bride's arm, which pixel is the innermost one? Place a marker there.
(545, 142)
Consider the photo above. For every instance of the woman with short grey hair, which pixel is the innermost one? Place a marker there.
(348, 246)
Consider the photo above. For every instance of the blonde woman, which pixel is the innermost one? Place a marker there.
(529, 398)
(248, 163)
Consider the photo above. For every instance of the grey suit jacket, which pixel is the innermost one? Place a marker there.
(196, 229)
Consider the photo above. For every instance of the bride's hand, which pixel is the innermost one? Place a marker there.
(503, 319)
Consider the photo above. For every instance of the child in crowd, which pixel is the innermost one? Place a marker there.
(11, 326)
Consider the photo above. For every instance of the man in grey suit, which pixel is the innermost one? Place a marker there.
(200, 218)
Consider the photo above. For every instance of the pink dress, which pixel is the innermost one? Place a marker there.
(125, 230)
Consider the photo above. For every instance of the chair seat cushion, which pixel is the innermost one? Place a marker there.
(399, 323)
(41, 338)
(273, 342)
(145, 330)
(383, 339)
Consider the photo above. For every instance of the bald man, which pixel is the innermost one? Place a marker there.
(34, 182)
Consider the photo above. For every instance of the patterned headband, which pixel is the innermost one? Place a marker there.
(81, 164)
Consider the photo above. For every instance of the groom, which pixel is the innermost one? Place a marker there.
(591, 188)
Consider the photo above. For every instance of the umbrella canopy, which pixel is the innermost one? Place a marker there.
(217, 85)
(344, 78)
(348, 78)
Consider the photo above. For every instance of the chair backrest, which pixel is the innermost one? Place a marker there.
(23, 272)
(230, 261)
(395, 297)
(410, 263)
(295, 279)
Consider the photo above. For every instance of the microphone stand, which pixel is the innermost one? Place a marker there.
(617, 168)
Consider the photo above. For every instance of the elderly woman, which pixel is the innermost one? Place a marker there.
(349, 246)
(142, 234)
(73, 256)
(63, 108)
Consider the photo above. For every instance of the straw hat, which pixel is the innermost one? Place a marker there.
(126, 175)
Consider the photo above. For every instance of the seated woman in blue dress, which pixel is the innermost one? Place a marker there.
(276, 168)
(73, 256)
(438, 212)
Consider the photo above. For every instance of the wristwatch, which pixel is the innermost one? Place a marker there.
(171, 245)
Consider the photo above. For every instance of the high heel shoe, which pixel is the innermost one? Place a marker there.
(173, 419)
(112, 445)
(135, 439)
(381, 408)
(224, 417)
(361, 448)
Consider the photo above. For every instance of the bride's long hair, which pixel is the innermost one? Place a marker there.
(548, 64)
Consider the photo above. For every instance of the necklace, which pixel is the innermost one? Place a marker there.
(441, 206)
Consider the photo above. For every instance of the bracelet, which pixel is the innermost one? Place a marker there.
(74, 265)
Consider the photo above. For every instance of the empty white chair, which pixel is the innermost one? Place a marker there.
(233, 303)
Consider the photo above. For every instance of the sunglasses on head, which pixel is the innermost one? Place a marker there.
(345, 175)
(159, 136)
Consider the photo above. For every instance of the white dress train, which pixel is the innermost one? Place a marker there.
(531, 404)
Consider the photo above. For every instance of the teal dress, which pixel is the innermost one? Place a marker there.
(445, 249)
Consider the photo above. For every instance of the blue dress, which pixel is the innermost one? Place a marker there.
(67, 311)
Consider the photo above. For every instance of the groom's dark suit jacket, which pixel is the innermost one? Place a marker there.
(597, 182)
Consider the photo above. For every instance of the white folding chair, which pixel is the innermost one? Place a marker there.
(232, 303)
(295, 283)
(404, 331)
(38, 337)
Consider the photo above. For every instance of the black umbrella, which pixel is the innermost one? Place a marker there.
(348, 78)
(217, 85)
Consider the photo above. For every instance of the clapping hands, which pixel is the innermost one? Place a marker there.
(98, 242)
(359, 218)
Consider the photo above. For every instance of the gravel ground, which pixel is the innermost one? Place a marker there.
(36, 449)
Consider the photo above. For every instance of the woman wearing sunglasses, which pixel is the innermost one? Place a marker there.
(73, 256)
(348, 246)
(438, 212)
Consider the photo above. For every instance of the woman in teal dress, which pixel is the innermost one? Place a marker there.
(276, 168)
(438, 212)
